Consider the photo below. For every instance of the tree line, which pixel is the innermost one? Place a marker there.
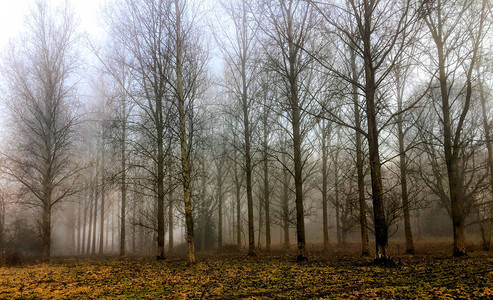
(230, 120)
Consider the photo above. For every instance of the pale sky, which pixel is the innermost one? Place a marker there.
(14, 12)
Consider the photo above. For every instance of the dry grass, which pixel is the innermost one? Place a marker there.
(432, 273)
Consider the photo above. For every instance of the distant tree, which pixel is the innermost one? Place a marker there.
(40, 73)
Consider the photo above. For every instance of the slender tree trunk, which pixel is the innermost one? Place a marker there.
(451, 159)
(285, 202)
(113, 231)
(170, 221)
(220, 206)
(365, 244)
(266, 182)
(238, 197)
(79, 228)
(95, 213)
(238, 212)
(102, 216)
(489, 147)
(89, 231)
(325, 196)
(160, 186)
(248, 170)
(134, 231)
(186, 170)
(84, 224)
(123, 187)
(403, 169)
(260, 221)
(337, 200)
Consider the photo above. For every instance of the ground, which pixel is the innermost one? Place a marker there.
(339, 274)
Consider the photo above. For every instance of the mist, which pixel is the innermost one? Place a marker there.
(183, 130)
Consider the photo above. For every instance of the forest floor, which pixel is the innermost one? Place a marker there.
(341, 274)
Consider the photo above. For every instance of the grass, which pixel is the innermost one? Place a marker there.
(432, 273)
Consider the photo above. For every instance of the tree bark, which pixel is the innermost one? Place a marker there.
(46, 228)
(381, 230)
(365, 244)
(183, 138)
(403, 169)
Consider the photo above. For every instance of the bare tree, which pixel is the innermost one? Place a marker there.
(40, 73)
(456, 29)
(240, 55)
(288, 29)
(142, 27)
(378, 32)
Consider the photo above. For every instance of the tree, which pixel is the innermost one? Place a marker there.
(456, 29)
(378, 32)
(240, 56)
(142, 28)
(187, 82)
(40, 73)
(288, 29)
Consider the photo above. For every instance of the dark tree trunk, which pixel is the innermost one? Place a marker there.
(381, 230)
(46, 229)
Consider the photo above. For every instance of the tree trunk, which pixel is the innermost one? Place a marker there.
(325, 196)
(403, 169)
(365, 244)
(84, 223)
(248, 170)
(220, 207)
(285, 201)
(266, 183)
(381, 230)
(489, 147)
(123, 189)
(337, 200)
(238, 198)
(238, 215)
(89, 230)
(183, 139)
(79, 228)
(171, 225)
(451, 159)
(46, 229)
(95, 214)
(101, 224)
(260, 221)
(298, 159)
(160, 183)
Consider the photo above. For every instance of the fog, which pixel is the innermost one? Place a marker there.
(169, 128)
